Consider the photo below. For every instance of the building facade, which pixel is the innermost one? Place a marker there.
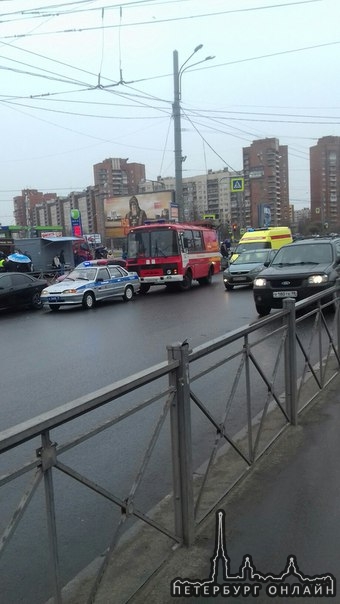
(25, 206)
(325, 182)
(115, 177)
(210, 194)
(266, 183)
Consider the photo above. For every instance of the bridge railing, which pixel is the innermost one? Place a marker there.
(216, 408)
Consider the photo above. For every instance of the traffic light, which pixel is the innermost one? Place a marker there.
(234, 227)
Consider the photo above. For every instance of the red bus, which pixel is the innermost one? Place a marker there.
(173, 254)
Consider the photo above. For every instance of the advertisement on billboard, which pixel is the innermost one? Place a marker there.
(122, 213)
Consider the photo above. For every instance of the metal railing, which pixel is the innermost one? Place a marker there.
(224, 402)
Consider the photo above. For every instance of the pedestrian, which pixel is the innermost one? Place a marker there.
(225, 248)
(56, 263)
(3, 259)
(29, 265)
(62, 262)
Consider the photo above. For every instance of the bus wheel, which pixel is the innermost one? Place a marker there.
(187, 281)
(144, 288)
(206, 280)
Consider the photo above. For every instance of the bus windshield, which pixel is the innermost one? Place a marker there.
(153, 243)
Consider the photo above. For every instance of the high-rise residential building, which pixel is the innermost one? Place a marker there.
(25, 204)
(115, 177)
(265, 167)
(210, 194)
(325, 182)
(57, 212)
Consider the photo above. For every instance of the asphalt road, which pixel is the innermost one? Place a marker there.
(52, 358)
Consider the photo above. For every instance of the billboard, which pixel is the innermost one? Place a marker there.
(122, 213)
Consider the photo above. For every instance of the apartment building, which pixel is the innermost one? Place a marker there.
(266, 183)
(115, 177)
(25, 205)
(325, 182)
(209, 194)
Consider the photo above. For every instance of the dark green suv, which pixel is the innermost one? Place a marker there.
(298, 271)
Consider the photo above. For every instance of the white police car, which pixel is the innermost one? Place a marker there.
(90, 282)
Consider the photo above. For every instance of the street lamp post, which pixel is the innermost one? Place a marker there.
(176, 114)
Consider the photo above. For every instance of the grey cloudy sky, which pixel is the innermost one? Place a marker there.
(63, 108)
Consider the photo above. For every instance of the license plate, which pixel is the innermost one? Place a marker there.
(292, 294)
(53, 298)
(239, 278)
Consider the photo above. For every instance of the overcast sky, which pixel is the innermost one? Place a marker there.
(87, 80)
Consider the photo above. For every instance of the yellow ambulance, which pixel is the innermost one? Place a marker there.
(266, 238)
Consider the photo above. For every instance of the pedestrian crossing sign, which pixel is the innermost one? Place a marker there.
(236, 185)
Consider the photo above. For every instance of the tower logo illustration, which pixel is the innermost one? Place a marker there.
(291, 582)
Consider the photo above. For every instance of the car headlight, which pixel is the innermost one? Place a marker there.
(260, 282)
(69, 291)
(317, 279)
(44, 292)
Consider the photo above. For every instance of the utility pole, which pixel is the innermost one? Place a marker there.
(176, 113)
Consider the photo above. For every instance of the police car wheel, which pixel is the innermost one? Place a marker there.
(128, 294)
(88, 301)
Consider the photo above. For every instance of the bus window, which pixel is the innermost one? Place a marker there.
(198, 241)
(188, 240)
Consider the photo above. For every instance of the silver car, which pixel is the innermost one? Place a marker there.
(246, 267)
(90, 282)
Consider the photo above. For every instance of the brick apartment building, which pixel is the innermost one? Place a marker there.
(325, 182)
(266, 183)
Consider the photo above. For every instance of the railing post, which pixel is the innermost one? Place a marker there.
(290, 362)
(181, 444)
(47, 453)
(337, 310)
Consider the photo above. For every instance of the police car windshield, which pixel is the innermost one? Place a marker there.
(87, 274)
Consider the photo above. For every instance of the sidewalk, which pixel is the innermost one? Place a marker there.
(288, 505)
